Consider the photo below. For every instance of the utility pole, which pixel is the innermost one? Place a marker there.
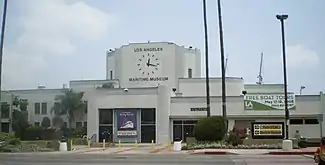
(3, 28)
(282, 18)
(223, 73)
(207, 82)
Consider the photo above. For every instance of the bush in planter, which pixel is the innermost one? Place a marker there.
(33, 133)
(210, 129)
(9, 139)
(234, 137)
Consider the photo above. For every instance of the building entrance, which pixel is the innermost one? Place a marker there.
(182, 129)
(127, 125)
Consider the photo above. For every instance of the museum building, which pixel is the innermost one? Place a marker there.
(155, 91)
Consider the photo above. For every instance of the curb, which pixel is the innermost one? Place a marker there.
(291, 153)
(308, 156)
(211, 153)
(88, 150)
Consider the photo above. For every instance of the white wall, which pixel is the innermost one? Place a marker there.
(110, 63)
(133, 98)
(38, 96)
(180, 106)
(264, 88)
(174, 62)
(188, 58)
(6, 97)
(134, 58)
(197, 86)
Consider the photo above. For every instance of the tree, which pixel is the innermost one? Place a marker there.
(57, 121)
(210, 129)
(46, 122)
(70, 104)
(20, 116)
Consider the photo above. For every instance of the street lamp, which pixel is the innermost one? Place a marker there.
(207, 83)
(302, 88)
(282, 18)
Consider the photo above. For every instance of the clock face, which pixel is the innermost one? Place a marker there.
(148, 64)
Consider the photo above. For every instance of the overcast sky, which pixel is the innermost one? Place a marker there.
(50, 42)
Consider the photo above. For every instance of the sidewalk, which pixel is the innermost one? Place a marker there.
(304, 151)
(125, 149)
(163, 149)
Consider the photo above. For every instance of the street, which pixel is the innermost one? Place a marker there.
(150, 159)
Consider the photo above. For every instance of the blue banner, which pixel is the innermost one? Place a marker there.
(126, 123)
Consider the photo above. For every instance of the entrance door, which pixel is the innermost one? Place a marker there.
(177, 132)
(109, 129)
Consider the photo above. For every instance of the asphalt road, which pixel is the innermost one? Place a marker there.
(158, 159)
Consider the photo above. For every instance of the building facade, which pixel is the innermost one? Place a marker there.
(156, 92)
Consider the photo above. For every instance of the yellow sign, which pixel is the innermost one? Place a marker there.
(268, 130)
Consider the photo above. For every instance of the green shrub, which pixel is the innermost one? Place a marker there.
(6, 136)
(14, 141)
(46, 122)
(53, 145)
(9, 148)
(210, 129)
(41, 143)
(234, 138)
(79, 141)
(51, 134)
(33, 133)
(9, 139)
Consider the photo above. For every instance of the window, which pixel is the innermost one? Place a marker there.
(311, 121)
(37, 124)
(148, 133)
(4, 127)
(189, 73)
(177, 122)
(85, 124)
(44, 108)
(148, 116)
(148, 125)
(192, 122)
(106, 116)
(296, 121)
(111, 74)
(37, 108)
(78, 124)
(5, 110)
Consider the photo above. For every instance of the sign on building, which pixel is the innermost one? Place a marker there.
(127, 123)
(268, 102)
(268, 130)
(198, 109)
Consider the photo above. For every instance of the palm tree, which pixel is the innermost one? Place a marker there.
(70, 104)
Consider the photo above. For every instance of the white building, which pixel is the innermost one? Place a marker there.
(158, 94)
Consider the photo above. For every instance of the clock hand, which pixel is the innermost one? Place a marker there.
(152, 65)
(148, 62)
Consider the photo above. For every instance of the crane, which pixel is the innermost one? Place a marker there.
(260, 77)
